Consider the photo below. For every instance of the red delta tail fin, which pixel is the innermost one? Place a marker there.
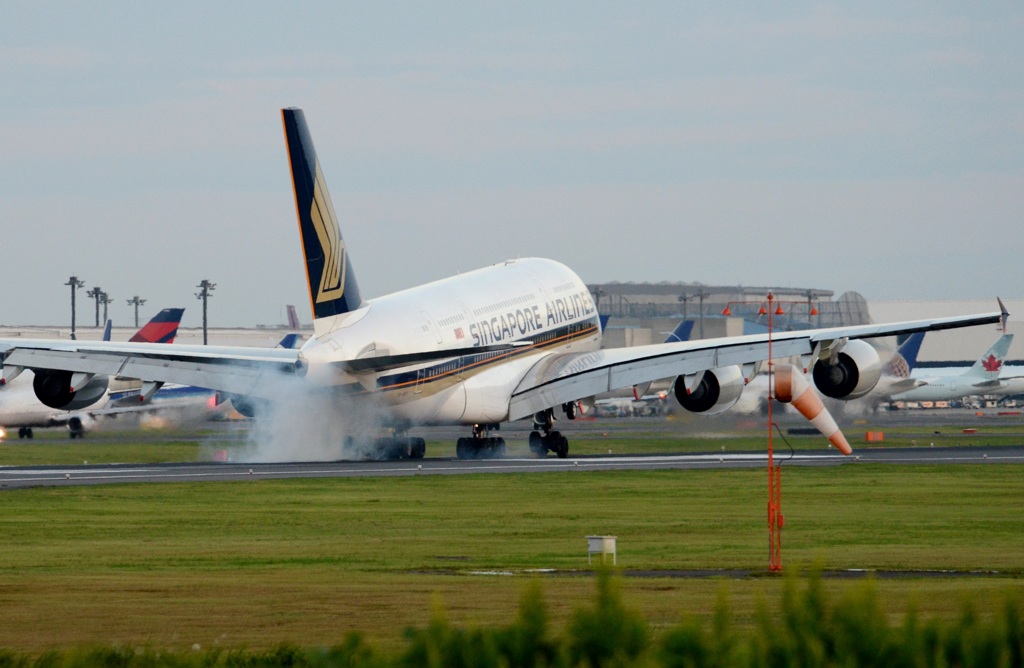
(163, 328)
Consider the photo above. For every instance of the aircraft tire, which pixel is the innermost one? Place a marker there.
(537, 446)
(561, 446)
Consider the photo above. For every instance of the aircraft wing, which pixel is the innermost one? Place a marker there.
(233, 369)
(554, 380)
(562, 378)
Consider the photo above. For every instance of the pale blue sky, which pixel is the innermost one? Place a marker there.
(851, 146)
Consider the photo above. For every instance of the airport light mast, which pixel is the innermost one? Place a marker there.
(96, 294)
(701, 295)
(105, 300)
(205, 288)
(75, 284)
(136, 302)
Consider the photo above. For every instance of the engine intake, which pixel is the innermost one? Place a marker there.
(856, 371)
(717, 391)
(53, 389)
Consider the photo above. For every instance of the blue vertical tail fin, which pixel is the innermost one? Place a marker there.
(332, 283)
(289, 341)
(682, 332)
(904, 359)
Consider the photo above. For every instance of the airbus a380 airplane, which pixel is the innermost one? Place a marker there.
(509, 341)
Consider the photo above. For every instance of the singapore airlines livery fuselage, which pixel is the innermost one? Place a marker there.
(531, 301)
(517, 339)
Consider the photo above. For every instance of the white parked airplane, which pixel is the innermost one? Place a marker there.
(20, 407)
(509, 341)
(983, 379)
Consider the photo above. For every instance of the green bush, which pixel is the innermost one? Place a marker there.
(609, 634)
(804, 629)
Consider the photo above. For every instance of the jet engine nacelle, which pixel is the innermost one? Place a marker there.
(717, 391)
(53, 388)
(250, 407)
(855, 372)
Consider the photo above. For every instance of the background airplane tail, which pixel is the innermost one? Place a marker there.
(163, 328)
(990, 364)
(289, 341)
(332, 283)
(904, 359)
(682, 332)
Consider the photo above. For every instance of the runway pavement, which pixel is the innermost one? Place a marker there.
(22, 477)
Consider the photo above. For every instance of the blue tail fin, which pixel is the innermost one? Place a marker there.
(682, 332)
(904, 359)
(910, 349)
(332, 283)
(106, 330)
(288, 342)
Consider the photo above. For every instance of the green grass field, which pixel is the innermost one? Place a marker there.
(257, 563)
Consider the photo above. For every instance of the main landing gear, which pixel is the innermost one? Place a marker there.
(480, 445)
(25, 432)
(550, 441)
(389, 447)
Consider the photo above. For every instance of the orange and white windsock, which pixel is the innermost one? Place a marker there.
(792, 387)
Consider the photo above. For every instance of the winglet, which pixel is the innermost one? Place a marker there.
(332, 283)
(106, 330)
(1004, 314)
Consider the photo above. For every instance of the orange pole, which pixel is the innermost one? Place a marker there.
(774, 472)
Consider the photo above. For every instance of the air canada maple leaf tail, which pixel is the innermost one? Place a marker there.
(990, 365)
(332, 283)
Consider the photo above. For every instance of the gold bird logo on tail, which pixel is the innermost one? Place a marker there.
(332, 279)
